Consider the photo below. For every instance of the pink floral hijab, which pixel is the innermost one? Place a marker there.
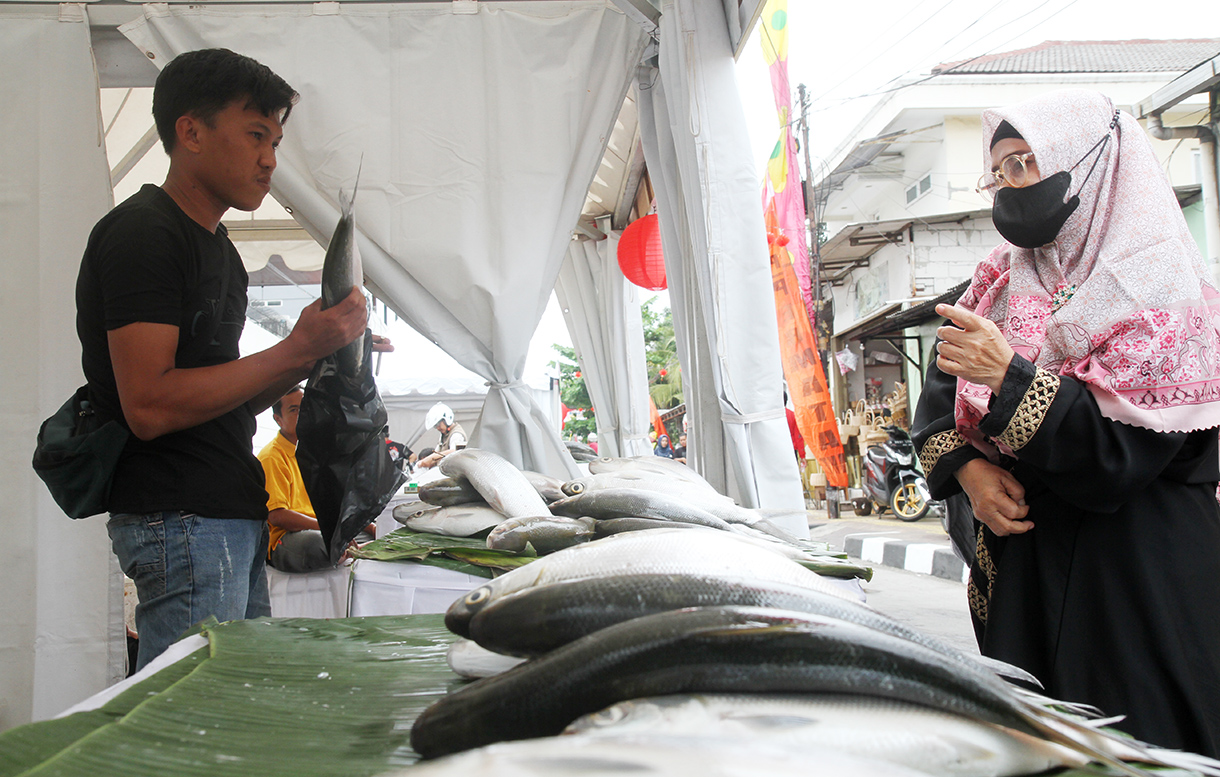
(1121, 300)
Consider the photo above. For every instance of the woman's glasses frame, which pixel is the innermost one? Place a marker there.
(1015, 177)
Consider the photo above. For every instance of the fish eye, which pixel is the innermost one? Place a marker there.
(477, 595)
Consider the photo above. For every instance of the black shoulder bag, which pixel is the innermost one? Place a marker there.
(78, 451)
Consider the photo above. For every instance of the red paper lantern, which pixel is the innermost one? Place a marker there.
(639, 253)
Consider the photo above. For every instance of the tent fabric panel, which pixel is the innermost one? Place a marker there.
(713, 212)
(602, 310)
(61, 620)
(477, 136)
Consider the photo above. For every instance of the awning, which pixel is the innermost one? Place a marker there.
(855, 243)
(894, 323)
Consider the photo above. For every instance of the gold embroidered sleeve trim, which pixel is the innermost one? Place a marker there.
(1032, 410)
(982, 579)
(938, 445)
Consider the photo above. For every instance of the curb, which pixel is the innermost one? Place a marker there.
(927, 558)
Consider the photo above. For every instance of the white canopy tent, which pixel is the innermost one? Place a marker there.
(481, 125)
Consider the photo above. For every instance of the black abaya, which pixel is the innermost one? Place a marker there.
(1111, 598)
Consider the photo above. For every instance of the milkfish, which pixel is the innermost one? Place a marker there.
(631, 502)
(466, 520)
(549, 488)
(341, 270)
(589, 588)
(406, 512)
(467, 659)
(921, 738)
(449, 491)
(577, 756)
(698, 554)
(545, 533)
(646, 479)
(657, 464)
(503, 486)
(731, 650)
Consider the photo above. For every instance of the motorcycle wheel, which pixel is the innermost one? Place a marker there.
(862, 506)
(907, 503)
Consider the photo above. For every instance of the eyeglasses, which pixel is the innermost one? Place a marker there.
(1011, 172)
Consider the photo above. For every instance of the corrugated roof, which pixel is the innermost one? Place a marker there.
(1098, 56)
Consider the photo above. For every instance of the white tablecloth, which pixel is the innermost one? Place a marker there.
(402, 588)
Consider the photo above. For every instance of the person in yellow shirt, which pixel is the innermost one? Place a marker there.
(296, 544)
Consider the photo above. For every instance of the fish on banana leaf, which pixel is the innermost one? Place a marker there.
(658, 464)
(630, 502)
(661, 552)
(921, 738)
(731, 650)
(609, 526)
(445, 492)
(549, 488)
(546, 533)
(460, 520)
(575, 592)
(647, 479)
(502, 485)
(467, 659)
(406, 512)
(576, 756)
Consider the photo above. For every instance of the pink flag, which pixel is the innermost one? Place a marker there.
(783, 180)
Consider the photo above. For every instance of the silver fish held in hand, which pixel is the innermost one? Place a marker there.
(341, 270)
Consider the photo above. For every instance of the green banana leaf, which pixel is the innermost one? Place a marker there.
(279, 697)
(24, 747)
(472, 553)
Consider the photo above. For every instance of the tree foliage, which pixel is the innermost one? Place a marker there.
(574, 393)
(661, 355)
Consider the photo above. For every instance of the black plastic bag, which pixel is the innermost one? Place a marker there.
(342, 452)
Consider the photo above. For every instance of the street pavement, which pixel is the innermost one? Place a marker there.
(932, 604)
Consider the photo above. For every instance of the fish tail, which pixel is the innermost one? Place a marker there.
(1085, 740)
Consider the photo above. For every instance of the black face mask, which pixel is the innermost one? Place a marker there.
(1031, 217)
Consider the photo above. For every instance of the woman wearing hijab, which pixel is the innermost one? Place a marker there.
(663, 448)
(1075, 399)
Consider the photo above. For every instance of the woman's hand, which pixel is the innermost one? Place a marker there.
(997, 497)
(975, 349)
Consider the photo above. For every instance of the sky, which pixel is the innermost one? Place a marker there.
(847, 53)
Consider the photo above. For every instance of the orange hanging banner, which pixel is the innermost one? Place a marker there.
(815, 415)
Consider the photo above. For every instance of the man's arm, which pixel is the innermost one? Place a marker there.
(158, 398)
(291, 520)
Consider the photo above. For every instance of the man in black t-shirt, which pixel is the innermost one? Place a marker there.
(161, 300)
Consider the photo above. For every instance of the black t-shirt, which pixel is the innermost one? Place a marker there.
(680, 452)
(147, 261)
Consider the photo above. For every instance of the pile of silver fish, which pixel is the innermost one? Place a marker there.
(675, 651)
(485, 495)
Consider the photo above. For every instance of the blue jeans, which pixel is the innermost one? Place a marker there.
(186, 568)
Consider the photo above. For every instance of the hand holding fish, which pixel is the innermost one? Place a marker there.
(974, 349)
(321, 332)
(997, 497)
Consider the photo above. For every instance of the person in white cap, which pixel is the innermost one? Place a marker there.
(453, 436)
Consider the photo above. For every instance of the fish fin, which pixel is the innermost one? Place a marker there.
(1095, 743)
(1007, 670)
(356, 187)
(1182, 760)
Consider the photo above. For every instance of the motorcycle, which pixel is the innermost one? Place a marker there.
(892, 479)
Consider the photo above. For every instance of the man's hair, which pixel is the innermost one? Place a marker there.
(202, 83)
(277, 407)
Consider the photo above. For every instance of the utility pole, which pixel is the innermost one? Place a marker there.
(815, 259)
